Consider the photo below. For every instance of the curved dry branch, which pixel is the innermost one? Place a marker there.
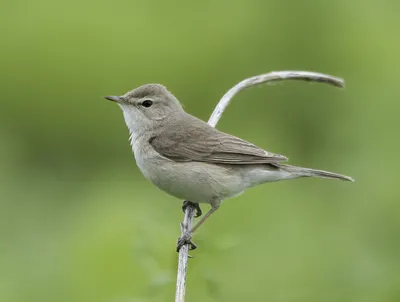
(183, 256)
(215, 117)
(273, 76)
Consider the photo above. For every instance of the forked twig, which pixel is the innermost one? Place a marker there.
(215, 117)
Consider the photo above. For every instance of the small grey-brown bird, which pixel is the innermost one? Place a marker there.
(189, 159)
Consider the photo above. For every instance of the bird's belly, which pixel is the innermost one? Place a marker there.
(194, 181)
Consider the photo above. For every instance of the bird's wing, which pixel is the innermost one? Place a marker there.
(197, 141)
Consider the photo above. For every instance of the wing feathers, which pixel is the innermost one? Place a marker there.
(198, 141)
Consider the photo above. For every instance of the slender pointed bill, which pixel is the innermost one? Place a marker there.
(114, 98)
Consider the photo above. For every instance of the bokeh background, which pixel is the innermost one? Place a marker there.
(78, 222)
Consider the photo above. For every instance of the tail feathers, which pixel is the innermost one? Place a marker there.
(306, 172)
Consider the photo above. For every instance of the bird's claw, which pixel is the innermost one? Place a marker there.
(186, 238)
(187, 203)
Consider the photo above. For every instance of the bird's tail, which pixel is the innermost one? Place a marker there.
(306, 172)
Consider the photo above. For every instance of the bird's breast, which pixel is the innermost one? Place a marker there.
(194, 181)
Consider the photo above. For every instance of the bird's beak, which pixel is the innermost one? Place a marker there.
(114, 98)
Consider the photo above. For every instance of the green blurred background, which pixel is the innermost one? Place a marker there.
(78, 222)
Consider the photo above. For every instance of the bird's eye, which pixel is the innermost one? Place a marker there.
(147, 103)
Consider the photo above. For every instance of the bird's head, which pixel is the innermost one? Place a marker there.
(147, 107)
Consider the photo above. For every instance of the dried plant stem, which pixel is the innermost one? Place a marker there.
(270, 77)
(215, 117)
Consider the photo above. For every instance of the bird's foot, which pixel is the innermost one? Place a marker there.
(185, 239)
(187, 203)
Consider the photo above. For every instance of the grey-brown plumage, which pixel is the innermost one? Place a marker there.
(191, 139)
(189, 159)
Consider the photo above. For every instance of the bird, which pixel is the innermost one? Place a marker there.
(189, 159)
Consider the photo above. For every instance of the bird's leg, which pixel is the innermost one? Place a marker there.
(187, 203)
(214, 207)
(186, 238)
